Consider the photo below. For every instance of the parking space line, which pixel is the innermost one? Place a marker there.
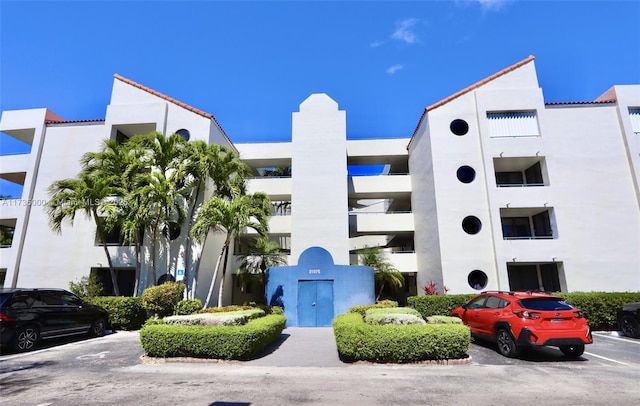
(607, 359)
(616, 338)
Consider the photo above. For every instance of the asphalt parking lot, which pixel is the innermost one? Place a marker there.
(109, 370)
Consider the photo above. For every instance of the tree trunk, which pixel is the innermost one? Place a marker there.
(224, 273)
(112, 272)
(381, 289)
(187, 251)
(154, 236)
(196, 271)
(213, 279)
(136, 286)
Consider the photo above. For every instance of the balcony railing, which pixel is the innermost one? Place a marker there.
(519, 184)
(531, 237)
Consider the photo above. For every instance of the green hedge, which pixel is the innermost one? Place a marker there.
(161, 300)
(437, 305)
(125, 313)
(220, 342)
(601, 308)
(188, 306)
(393, 315)
(362, 309)
(235, 318)
(357, 340)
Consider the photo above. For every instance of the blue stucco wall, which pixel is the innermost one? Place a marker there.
(352, 285)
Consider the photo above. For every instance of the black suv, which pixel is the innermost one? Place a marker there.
(28, 315)
(629, 319)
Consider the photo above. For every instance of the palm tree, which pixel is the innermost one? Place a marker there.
(230, 216)
(87, 194)
(204, 163)
(384, 272)
(160, 190)
(122, 165)
(262, 255)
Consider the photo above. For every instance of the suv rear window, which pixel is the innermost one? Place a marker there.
(545, 303)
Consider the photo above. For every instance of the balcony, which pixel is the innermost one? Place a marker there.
(7, 228)
(520, 171)
(527, 223)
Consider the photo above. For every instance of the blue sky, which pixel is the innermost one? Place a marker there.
(251, 64)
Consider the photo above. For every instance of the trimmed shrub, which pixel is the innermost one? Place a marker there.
(220, 342)
(357, 340)
(437, 305)
(188, 306)
(125, 313)
(362, 309)
(393, 315)
(224, 309)
(443, 320)
(236, 318)
(161, 300)
(601, 308)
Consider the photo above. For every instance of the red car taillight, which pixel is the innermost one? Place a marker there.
(4, 317)
(525, 314)
(578, 314)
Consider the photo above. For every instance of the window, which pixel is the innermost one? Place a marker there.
(519, 171)
(534, 277)
(494, 302)
(471, 225)
(634, 114)
(477, 303)
(514, 227)
(513, 124)
(526, 223)
(459, 127)
(184, 133)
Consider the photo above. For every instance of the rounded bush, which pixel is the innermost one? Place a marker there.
(161, 300)
(189, 306)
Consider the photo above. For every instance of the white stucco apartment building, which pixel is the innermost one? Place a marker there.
(495, 189)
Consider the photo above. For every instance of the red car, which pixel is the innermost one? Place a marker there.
(526, 319)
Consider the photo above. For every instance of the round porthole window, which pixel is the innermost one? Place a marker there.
(173, 229)
(184, 133)
(471, 225)
(459, 127)
(466, 174)
(477, 279)
(166, 278)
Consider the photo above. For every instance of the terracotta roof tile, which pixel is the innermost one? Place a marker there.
(580, 102)
(468, 89)
(97, 120)
(176, 102)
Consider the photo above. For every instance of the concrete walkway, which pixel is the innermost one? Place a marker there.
(302, 347)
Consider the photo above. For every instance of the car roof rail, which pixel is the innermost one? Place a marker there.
(504, 292)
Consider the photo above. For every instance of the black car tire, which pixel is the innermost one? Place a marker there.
(572, 351)
(629, 326)
(506, 344)
(26, 338)
(98, 327)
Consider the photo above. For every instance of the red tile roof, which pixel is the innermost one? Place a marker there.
(176, 102)
(73, 121)
(580, 102)
(468, 89)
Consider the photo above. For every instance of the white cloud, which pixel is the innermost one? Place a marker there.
(393, 69)
(490, 4)
(404, 31)
(376, 44)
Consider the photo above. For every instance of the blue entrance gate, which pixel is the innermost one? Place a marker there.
(315, 303)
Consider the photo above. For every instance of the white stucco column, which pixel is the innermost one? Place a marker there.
(319, 191)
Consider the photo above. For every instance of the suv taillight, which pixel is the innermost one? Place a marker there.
(525, 314)
(4, 317)
(578, 314)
